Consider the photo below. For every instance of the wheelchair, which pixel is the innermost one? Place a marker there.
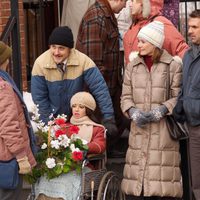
(98, 184)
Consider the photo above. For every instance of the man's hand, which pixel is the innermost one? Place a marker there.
(178, 112)
(111, 127)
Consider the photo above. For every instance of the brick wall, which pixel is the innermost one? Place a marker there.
(5, 11)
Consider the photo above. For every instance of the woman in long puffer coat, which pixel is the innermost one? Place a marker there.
(152, 160)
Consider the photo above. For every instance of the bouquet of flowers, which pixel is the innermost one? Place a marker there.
(61, 150)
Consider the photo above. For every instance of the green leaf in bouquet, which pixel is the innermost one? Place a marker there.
(68, 162)
(66, 168)
(78, 143)
(85, 147)
(51, 174)
(78, 168)
(58, 169)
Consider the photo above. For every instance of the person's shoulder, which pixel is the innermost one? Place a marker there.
(99, 128)
(91, 13)
(188, 55)
(175, 62)
(178, 60)
(3, 83)
(83, 59)
(42, 62)
(4, 86)
(99, 131)
(164, 20)
(94, 13)
(169, 59)
(45, 55)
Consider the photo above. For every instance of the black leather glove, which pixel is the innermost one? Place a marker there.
(138, 117)
(111, 127)
(157, 113)
(178, 112)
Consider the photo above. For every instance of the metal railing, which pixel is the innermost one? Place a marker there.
(39, 21)
(11, 36)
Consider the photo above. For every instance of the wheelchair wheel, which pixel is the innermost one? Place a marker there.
(110, 187)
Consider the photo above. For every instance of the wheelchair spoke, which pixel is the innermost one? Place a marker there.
(110, 188)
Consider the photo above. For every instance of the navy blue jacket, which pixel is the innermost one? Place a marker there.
(190, 94)
(52, 90)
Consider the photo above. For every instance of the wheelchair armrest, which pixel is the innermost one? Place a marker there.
(94, 157)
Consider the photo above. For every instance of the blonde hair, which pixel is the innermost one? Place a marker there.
(156, 55)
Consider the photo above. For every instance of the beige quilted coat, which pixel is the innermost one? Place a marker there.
(152, 159)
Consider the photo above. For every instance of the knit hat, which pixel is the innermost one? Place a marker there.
(5, 52)
(153, 33)
(62, 35)
(84, 98)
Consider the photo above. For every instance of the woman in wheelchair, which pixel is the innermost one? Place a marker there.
(68, 186)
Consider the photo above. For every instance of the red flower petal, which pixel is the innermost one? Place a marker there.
(60, 121)
(58, 133)
(77, 155)
(73, 129)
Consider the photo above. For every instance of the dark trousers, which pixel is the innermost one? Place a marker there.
(7, 194)
(122, 122)
(194, 148)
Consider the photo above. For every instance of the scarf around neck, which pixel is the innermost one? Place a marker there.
(85, 125)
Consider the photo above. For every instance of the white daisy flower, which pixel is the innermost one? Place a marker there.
(50, 163)
(44, 146)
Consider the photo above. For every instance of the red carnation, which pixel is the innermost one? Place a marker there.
(60, 121)
(60, 132)
(73, 130)
(77, 155)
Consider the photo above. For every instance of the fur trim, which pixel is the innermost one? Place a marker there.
(133, 55)
(178, 59)
(146, 5)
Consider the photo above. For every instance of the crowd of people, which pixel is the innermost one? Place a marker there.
(124, 86)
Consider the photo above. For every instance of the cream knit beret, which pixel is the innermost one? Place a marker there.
(153, 33)
(84, 98)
